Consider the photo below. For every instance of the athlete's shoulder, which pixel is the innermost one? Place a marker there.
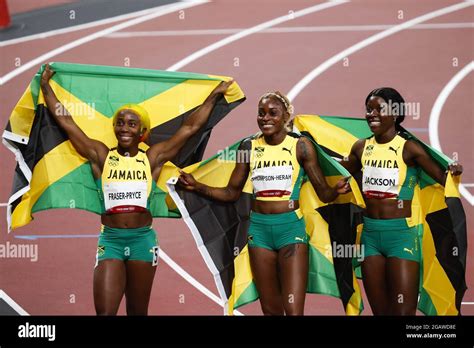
(246, 143)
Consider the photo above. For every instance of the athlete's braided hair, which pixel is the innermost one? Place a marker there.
(282, 98)
(393, 98)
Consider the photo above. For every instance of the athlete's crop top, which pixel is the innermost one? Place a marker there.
(126, 183)
(385, 173)
(275, 172)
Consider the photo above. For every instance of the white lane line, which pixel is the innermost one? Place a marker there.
(312, 29)
(186, 276)
(370, 40)
(73, 28)
(288, 17)
(3, 204)
(436, 114)
(467, 303)
(468, 185)
(12, 303)
(44, 57)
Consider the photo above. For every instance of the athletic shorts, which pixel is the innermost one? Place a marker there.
(390, 238)
(128, 244)
(275, 231)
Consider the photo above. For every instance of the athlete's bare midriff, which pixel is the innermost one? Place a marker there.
(387, 208)
(127, 220)
(274, 207)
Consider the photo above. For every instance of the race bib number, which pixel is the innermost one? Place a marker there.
(130, 193)
(380, 182)
(272, 181)
(156, 255)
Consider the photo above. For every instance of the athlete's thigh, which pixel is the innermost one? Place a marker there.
(264, 263)
(109, 286)
(293, 265)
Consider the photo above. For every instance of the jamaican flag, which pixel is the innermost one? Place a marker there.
(51, 174)
(220, 232)
(437, 211)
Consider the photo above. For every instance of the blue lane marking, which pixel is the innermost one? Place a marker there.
(51, 236)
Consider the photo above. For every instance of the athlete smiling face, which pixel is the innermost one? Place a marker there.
(272, 118)
(128, 130)
(380, 119)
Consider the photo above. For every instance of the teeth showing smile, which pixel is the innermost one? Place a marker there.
(374, 123)
(267, 126)
(125, 138)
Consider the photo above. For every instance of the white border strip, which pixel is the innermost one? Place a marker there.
(178, 269)
(78, 27)
(45, 57)
(436, 114)
(288, 17)
(370, 40)
(280, 30)
(199, 242)
(12, 303)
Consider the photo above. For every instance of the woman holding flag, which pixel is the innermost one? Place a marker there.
(127, 252)
(277, 162)
(390, 166)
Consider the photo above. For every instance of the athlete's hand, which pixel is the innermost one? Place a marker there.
(47, 74)
(187, 181)
(222, 87)
(343, 186)
(455, 168)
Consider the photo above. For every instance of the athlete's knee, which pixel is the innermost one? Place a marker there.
(137, 311)
(272, 309)
(106, 311)
(294, 310)
(137, 307)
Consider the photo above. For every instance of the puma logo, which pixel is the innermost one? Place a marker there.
(299, 239)
(408, 250)
(141, 161)
(394, 150)
(285, 149)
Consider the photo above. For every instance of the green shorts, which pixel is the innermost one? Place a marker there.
(128, 244)
(390, 238)
(275, 231)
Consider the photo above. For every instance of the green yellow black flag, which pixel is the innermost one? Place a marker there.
(436, 210)
(51, 174)
(220, 232)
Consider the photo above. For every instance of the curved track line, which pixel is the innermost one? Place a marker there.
(370, 40)
(436, 113)
(44, 57)
(202, 52)
(186, 276)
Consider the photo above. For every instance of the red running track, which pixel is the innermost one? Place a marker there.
(416, 61)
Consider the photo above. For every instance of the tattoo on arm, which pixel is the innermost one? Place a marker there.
(304, 151)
